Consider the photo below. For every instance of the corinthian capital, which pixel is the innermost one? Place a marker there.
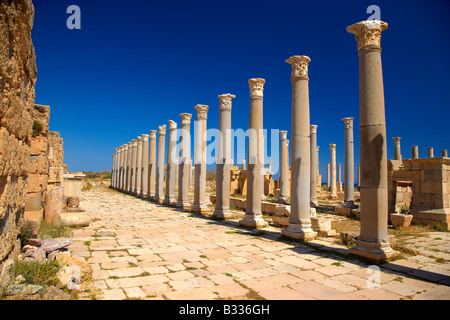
(145, 137)
(256, 87)
(348, 122)
(283, 135)
(300, 66)
(368, 33)
(186, 119)
(313, 129)
(202, 111)
(162, 130)
(153, 134)
(172, 125)
(225, 101)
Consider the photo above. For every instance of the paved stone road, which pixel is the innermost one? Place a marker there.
(140, 250)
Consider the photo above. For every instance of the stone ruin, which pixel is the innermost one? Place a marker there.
(32, 171)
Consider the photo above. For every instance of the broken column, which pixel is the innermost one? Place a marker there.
(300, 221)
(255, 168)
(415, 152)
(333, 190)
(222, 208)
(200, 204)
(314, 163)
(159, 190)
(284, 167)
(430, 153)
(397, 150)
(373, 240)
(185, 156)
(151, 190)
(171, 170)
(349, 165)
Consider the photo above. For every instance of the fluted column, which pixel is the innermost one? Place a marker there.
(313, 165)
(159, 191)
(397, 149)
(129, 167)
(349, 165)
(255, 170)
(137, 190)
(373, 241)
(171, 170)
(151, 190)
(185, 156)
(222, 207)
(284, 167)
(144, 184)
(200, 204)
(333, 189)
(299, 226)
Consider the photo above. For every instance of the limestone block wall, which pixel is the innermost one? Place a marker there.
(55, 160)
(17, 79)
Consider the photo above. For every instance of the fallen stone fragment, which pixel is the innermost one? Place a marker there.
(52, 245)
(37, 254)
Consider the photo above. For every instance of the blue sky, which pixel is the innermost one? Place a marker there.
(136, 64)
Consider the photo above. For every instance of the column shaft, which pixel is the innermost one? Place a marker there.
(284, 167)
(171, 164)
(313, 166)
(200, 203)
(349, 165)
(152, 165)
(159, 191)
(144, 190)
(185, 156)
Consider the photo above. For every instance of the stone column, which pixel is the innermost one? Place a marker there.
(171, 164)
(124, 167)
(159, 190)
(222, 208)
(151, 190)
(319, 183)
(445, 153)
(244, 164)
(349, 165)
(113, 169)
(313, 165)
(397, 150)
(299, 226)
(255, 172)
(144, 188)
(430, 153)
(284, 167)
(373, 240)
(415, 152)
(185, 156)
(328, 177)
(137, 190)
(200, 203)
(133, 166)
(129, 167)
(339, 181)
(333, 191)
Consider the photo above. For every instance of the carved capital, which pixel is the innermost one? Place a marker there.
(225, 101)
(300, 66)
(283, 135)
(313, 129)
(396, 140)
(134, 143)
(162, 130)
(348, 122)
(332, 147)
(145, 137)
(153, 134)
(172, 125)
(368, 33)
(202, 111)
(125, 147)
(186, 119)
(256, 87)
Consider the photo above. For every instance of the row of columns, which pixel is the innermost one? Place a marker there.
(372, 242)
(415, 151)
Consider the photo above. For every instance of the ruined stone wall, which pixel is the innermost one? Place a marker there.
(55, 160)
(17, 79)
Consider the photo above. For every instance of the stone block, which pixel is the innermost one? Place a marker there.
(322, 226)
(54, 205)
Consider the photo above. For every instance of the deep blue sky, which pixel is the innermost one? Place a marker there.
(136, 64)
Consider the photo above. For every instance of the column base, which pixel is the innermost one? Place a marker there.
(374, 252)
(313, 203)
(295, 231)
(185, 205)
(283, 199)
(200, 208)
(253, 222)
(349, 204)
(169, 201)
(222, 214)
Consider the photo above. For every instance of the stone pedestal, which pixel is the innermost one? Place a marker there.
(299, 226)
(333, 189)
(284, 167)
(171, 164)
(200, 204)
(144, 189)
(255, 168)
(349, 178)
(159, 191)
(222, 209)
(314, 164)
(373, 240)
(184, 168)
(151, 190)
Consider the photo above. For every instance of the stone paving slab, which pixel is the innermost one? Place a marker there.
(142, 250)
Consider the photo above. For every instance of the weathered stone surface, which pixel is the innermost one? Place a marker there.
(37, 254)
(400, 221)
(84, 268)
(75, 219)
(52, 245)
(54, 205)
